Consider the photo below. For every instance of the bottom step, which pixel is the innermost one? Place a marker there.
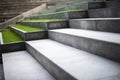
(68, 63)
(22, 66)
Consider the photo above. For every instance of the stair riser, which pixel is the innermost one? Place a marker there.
(31, 35)
(105, 49)
(52, 68)
(104, 13)
(97, 25)
(68, 15)
(12, 47)
(90, 5)
(48, 25)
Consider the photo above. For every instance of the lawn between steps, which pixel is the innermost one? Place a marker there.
(9, 36)
(28, 28)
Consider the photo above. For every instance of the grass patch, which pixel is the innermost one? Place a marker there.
(9, 36)
(27, 28)
(43, 20)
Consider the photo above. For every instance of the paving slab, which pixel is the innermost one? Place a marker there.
(22, 66)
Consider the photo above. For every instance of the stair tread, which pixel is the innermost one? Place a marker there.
(97, 19)
(103, 36)
(81, 65)
(22, 66)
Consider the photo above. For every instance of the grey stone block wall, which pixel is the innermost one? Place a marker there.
(36, 35)
(11, 47)
(113, 3)
(97, 25)
(104, 13)
(101, 48)
(48, 25)
(52, 68)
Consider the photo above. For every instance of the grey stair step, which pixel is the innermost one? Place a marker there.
(104, 13)
(97, 24)
(68, 63)
(22, 66)
(30, 35)
(99, 43)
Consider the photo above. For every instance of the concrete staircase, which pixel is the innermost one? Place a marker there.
(12, 8)
(86, 47)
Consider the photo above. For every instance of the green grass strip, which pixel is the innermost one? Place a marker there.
(9, 36)
(28, 28)
(43, 20)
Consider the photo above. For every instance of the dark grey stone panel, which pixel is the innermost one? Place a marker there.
(48, 25)
(101, 48)
(104, 13)
(36, 35)
(52, 68)
(11, 47)
(78, 15)
(57, 25)
(97, 25)
(96, 5)
(113, 3)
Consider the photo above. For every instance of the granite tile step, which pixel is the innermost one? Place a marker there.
(22, 66)
(104, 13)
(97, 24)
(100, 43)
(68, 63)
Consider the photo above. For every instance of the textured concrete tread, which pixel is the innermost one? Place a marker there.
(81, 65)
(103, 36)
(97, 19)
(22, 66)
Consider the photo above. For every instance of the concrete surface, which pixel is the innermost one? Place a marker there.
(97, 24)
(100, 43)
(79, 64)
(104, 13)
(22, 66)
